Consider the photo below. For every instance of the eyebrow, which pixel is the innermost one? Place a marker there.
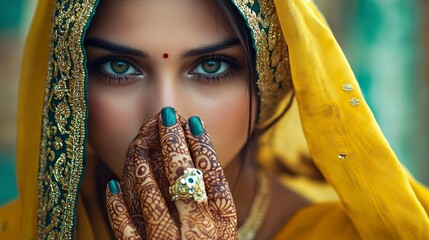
(114, 47)
(121, 49)
(227, 43)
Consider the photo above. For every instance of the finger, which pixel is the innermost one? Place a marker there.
(148, 133)
(206, 159)
(144, 190)
(159, 223)
(173, 145)
(195, 218)
(219, 195)
(119, 217)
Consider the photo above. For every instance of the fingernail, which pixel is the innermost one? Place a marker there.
(168, 116)
(113, 186)
(196, 126)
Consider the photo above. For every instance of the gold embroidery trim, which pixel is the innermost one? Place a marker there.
(272, 62)
(64, 119)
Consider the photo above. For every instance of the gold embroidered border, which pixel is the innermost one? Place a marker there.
(272, 63)
(64, 121)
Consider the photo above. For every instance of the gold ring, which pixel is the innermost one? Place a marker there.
(189, 185)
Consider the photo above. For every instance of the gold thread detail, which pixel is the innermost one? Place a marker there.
(64, 114)
(272, 59)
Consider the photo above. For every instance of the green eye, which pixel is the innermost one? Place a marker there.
(211, 66)
(119, 67)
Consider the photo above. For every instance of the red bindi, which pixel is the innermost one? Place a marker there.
(165, 55)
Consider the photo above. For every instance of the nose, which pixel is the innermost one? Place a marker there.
(168, 91)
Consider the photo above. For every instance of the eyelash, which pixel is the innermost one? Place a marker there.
(96, 66)
(233, 66)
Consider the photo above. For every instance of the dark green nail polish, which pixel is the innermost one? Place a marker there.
(113, 186)
(196, 126)
(168, 116)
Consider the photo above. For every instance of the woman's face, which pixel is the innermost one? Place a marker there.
(144, 55)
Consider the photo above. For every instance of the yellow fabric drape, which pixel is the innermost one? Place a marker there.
(376, 194)
(379, 200)
(20, 217)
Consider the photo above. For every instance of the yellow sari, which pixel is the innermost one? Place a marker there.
(378, 199)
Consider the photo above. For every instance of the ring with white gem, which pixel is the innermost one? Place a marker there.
(189, 185)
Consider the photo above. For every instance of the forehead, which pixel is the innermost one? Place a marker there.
(160, 22)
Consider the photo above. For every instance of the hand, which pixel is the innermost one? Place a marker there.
(157, 157)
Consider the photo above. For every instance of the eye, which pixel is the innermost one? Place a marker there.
(215, 68)
(212, 67)
(118, 68)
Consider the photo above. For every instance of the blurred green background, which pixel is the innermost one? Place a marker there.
(386, 42)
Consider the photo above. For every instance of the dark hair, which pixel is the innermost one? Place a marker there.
(241, 29)
(236, 21)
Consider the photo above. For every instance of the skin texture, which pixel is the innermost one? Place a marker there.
(142, 209)
(120, 103)
(119, 106)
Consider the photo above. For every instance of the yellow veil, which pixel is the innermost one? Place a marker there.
(378, 198)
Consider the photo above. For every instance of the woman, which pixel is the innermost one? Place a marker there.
(199, 63)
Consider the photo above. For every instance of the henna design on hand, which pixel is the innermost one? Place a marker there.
(144, 157)
(174, 151)
(155, 159)
(119, 218)
(220, 199)
(145, 187)
(216, 219)
(195, 219)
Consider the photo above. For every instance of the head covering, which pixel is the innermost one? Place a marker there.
(343, 138)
